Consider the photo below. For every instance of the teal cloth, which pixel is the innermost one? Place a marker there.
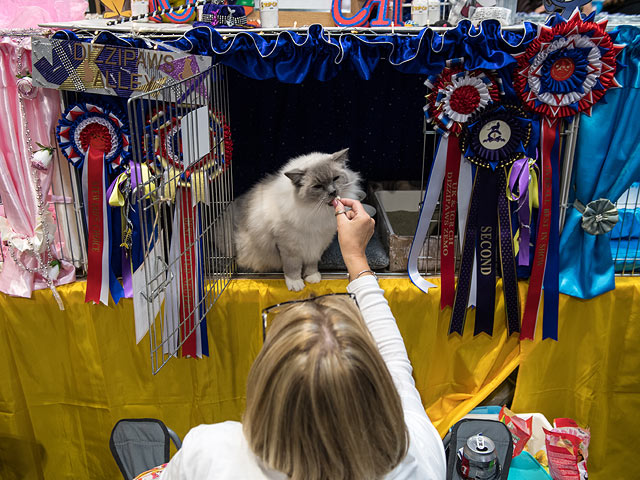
(525, 467)
(607, 162)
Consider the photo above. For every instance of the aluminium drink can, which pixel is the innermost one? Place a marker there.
(478, 459)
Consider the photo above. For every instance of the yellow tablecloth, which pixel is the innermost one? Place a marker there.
(67, 377)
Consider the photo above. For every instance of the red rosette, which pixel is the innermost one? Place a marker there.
(457, 94)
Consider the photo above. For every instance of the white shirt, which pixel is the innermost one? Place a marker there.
(220, 451)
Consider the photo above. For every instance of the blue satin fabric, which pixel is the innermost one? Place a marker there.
(607, 162)
(291, 57)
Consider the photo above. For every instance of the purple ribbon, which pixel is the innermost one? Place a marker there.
(127, 276)
(508, 264)
(520, 176)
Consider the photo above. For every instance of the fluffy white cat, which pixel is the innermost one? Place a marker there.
(286, 220)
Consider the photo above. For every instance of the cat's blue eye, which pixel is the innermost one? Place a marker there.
(317, 186)
(336, 178)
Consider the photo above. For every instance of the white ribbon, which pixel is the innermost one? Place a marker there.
(465, 187)
(170, 333)
(146, 309)
(431, 196)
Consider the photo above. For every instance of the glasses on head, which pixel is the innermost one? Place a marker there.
(274, 309)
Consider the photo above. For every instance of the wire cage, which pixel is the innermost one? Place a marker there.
(625, 236)
(181, 133)
(66, 205)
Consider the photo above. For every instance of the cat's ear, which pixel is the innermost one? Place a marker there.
(340, 157)
(295, 176)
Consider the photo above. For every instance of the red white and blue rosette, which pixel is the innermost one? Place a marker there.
(164, 133)
(95, 139)
(82, 123)
(566, 70)
(457, 94)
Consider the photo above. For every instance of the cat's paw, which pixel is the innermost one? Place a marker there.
(294, 284)
(313, 278)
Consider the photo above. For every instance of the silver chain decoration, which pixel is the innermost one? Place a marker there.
(42, 268)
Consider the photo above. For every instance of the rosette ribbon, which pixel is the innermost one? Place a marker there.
(493, 140)
(564, 71)
(96, 138)
(598, 217)
(185, 181)
(456, 94)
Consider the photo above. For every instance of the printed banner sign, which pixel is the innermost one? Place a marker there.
(110, 70)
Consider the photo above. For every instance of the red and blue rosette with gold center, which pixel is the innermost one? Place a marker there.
(566, 70)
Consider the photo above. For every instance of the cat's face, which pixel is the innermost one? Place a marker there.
(324, 180)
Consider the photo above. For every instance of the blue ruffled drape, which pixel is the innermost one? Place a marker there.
(607, 162)
(291, 57)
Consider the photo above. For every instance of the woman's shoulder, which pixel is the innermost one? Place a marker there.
(220, 451)
(224, 435)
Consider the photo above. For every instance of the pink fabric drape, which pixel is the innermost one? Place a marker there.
(16, 186)
(30, 13)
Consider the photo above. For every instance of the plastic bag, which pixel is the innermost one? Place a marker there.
(567, 450)
(520, 429)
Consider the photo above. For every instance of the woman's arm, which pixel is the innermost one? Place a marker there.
(355, 228)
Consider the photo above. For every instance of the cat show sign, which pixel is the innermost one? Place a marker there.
(109, 69)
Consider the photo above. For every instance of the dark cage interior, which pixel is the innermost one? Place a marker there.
(379, 119)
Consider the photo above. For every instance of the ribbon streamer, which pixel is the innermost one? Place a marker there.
(448, 222)
(429, 202)
(532, 304)
(522, 187)
(188, 279)
(465, 187)
(459, 313)
(552, 270)
(171, 323)
(93, 182)
(507, 258)
(486, 190)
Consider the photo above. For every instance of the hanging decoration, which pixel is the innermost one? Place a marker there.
(187, 165)
(96, 138)
(173, 11)
(35, 254)
(82, 123)
(522, 188)
(564, 71)
(492, 140)
(456, 95)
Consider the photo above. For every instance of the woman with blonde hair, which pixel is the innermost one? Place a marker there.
(330, 396)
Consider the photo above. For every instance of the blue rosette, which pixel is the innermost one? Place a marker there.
(497, 136)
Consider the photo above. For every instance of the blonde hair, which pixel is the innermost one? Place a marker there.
(321, 403)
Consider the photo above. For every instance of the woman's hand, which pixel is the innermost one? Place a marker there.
(355, 228)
